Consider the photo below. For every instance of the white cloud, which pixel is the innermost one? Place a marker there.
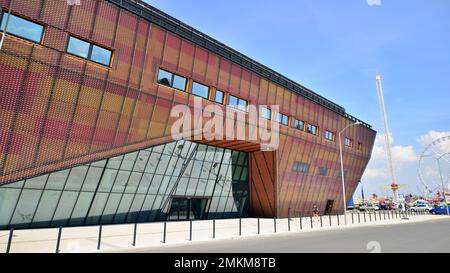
(405, 160)
(440, 147)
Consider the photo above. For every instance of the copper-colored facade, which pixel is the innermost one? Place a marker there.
(59, 111)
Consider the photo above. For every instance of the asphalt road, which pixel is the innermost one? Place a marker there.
(431, 236)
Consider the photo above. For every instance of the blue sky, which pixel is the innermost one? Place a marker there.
(336, 47)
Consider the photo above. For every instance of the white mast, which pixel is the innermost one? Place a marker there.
(386, 134)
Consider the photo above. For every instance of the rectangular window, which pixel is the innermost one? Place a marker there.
(311, 129)
(348, 142)
(219, 96)
(329, 135)
(266, 113)
(200, 90)
(171, 80)
(323, 171)
(283, 119)
(89, 51)
(237, 103)
(301, 167)
(298, 124)
(22, 28)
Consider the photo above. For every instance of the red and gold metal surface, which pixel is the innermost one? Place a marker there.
(58, 111)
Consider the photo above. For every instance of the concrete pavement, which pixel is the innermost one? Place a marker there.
(414, 237)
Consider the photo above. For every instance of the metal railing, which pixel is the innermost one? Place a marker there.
(307, 222)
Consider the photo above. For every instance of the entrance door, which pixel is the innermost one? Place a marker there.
(329, 207)
(187, 209)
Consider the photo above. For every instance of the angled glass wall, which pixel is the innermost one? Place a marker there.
(175, 181)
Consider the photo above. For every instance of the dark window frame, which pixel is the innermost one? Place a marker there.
(298, 121)
(316, 128)
(268, 109)
(329, 133)
(199, 83)
(281, 115)
(5, 12)
(238, 99)
(350, 142)
(172, 80)
(91, 46)
(223, 96)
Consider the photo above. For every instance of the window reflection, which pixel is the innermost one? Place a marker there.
(136, 186)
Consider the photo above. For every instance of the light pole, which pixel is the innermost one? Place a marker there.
(342, 169)
(438, 159)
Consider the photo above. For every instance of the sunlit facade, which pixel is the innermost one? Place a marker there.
(85, 129)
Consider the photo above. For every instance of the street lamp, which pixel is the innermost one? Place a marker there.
(342, 169)
(438, 159)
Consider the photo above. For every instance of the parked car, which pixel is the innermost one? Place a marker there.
(442, 209)
(421, 207)
(368, 206)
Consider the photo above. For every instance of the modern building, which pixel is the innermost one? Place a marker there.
(86, 91)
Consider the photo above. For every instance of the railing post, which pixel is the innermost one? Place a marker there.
(337, 216)
(59, 239)
(311, 220)
(364, 213)
(99, 241)
(329, 219)
(240, 226)
(353, 220)
(164, 232)
(375, 215)
(214, 228)
(275, 224)
(134, 234)
(301, 224)
(359, 218)
(321, 223)
(190, 230)
(8, 247)
(259, 227)
(289, 224)
(370, 217)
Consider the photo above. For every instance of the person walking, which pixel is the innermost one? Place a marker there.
(315, 212)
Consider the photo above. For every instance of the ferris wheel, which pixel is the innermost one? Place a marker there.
(435, 162)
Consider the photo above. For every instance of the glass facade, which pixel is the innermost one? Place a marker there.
(175, 181)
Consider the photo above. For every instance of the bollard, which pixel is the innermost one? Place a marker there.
(164, 232)
(134, 234)
(259, 227)
(8, 247)
(240, 226)
(353, 221)
(275, 225)
(321, 224)
(359, 218)
(289, 224)
(301, 227)
(364, 217)
(99, 241)
(384, 215)
(58, 240)
(311, 221)
(370, 217)
(190, 230)
(375, 215)
(329, 219)
(214, 228)
(337, 216)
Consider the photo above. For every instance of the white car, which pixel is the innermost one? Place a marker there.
(421, 207)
